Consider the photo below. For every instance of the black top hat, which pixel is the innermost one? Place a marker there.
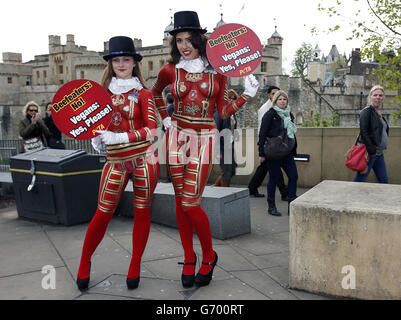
(122, 46)
(186, 21)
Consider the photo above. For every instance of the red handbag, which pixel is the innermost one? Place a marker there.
(357, 157)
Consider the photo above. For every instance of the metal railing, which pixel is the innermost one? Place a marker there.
(9, 148)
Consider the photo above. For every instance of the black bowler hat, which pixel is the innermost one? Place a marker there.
(122, 46)
(186, 21)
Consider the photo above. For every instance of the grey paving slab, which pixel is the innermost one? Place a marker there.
(250, 267)
(259, 245)
(265, 285)
(234, 289)
(11, 225)
(231, 260)
(266, 260)
(280, 274)
(28, 286)
(27, 252)
(98, 296)
(148, 288)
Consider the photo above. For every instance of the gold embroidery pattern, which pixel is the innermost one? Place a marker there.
(191, 109)
(194, 77)
(118, 99)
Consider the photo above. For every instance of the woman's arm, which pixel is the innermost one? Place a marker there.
(364, 127)
(225, 106)
(149, 119)
(164, 78)
(264, 128)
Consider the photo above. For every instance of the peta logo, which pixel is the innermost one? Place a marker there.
(349, 280)
(49, 280)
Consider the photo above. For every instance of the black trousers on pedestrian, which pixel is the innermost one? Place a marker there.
(260, 175)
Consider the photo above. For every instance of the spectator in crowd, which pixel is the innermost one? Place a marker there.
(277, 120)
(228, 135)
(374, 132)
(261, 170)
(54, 139)
(32, 128)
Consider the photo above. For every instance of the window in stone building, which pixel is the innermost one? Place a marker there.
(60, 69)
(44, 74)
(150, 65)
(161, 64)
(28, 80)
(263, 67)
(82, 74)
(9, 80)
(38, 74)
(61, 81)
(367, 71)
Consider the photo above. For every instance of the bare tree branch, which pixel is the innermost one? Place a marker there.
(380, 19)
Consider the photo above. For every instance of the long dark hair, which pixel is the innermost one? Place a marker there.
(198, 41)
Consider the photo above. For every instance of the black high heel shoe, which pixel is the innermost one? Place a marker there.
(204, 279)
(187, 280)
(133, 283)
(84, 283)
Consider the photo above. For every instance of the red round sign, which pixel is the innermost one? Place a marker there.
(80, 107)
(234, 50)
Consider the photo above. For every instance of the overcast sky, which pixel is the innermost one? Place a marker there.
(25, 24)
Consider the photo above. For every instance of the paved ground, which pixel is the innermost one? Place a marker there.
(250, 267)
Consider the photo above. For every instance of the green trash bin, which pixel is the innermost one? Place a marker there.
(56, 186)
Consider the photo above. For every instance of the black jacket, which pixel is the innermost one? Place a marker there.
(371, 129)
(272, 126)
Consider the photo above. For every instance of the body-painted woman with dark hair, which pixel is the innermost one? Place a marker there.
(198, 90)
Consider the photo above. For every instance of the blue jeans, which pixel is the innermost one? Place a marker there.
(379, 167)
(290, 168)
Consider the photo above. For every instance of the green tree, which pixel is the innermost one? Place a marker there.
(300, 63)
(377, 24)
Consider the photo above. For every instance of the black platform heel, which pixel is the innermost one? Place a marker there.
(133, 283)
(187, 280)
(84, 283)
(204, 279)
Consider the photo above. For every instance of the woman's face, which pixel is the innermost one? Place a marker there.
(377, 98)
(123, 66)
(282, 102)
(184, 46)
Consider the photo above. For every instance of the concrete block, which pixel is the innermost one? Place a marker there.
(228, 209)
(345, 240)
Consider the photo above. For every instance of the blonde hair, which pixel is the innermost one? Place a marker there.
(108, 73)
(28, 104)
(277, 95)
(374, 88)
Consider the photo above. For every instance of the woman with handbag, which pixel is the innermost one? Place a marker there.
(374, 132)
(277, 145)
(32, 129)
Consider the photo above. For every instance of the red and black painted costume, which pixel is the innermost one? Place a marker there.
(134, 113)
(196, 97)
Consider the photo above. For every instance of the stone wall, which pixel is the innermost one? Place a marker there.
(327, 148)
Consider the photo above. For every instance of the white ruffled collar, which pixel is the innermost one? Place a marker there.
(118, 86)
(197, 65)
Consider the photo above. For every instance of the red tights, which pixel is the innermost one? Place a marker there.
(190, 218)
(97, 229)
